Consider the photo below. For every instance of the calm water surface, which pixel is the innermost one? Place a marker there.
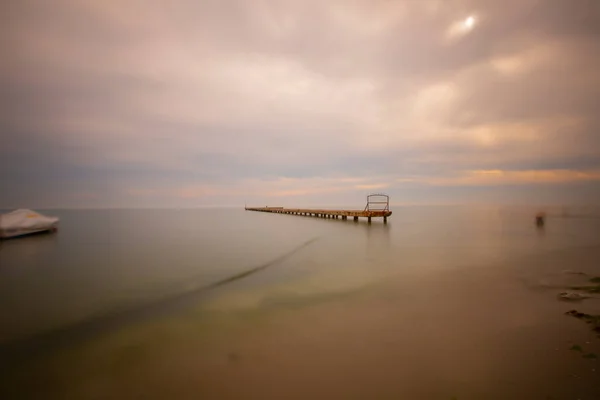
(102, 261)
(106, 259)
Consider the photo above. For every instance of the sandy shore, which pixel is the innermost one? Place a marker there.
(489, 332)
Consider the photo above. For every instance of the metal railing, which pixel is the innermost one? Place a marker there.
(383, 200)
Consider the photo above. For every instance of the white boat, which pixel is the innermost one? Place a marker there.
(24, 222)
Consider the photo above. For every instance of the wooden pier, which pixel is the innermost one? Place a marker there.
(369, 212)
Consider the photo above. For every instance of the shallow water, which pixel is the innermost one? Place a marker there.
(336, 301)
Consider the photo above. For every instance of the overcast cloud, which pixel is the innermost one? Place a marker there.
(201, 102)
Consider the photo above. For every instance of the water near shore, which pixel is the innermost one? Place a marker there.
(441, 302)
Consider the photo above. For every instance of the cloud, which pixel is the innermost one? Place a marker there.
(178, 102)
(501, 177)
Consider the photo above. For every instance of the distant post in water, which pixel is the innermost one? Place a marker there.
(540, 219)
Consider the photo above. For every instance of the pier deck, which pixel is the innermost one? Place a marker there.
(343, 214)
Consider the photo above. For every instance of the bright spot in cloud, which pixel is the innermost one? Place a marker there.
(461, 28)
(469, 22)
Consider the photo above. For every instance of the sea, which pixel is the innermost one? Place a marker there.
(110, 271)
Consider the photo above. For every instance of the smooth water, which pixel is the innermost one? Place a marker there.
(227, 303)
(102, 260)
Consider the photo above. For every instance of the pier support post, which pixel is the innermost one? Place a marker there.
(385, 220)
(355, 219)
(369, 219)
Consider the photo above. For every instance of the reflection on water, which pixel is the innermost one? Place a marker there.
(378, 238)
(29, 248)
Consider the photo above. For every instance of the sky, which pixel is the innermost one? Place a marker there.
(189, 103)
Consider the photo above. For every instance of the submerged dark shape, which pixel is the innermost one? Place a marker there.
(588, 288)
(572, 296)
(19, 350)
(540, 219)
(593, 320)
